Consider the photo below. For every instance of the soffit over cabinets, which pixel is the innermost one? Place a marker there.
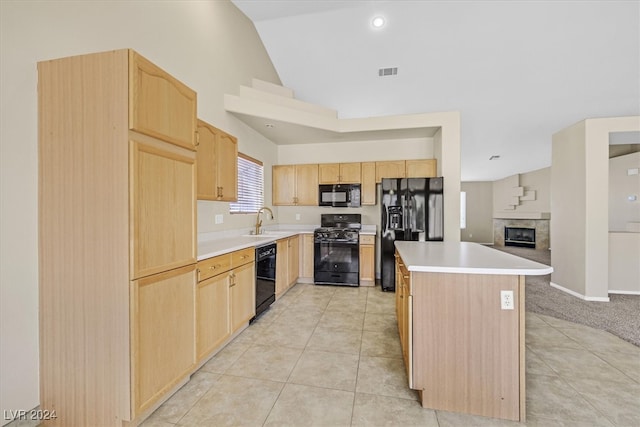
(285, 120)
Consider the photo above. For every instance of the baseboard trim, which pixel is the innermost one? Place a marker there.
(576, 294)
(625, 292)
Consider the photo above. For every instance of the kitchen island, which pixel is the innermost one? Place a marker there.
(461, 319)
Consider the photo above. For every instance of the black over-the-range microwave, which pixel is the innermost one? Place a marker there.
(340, 195)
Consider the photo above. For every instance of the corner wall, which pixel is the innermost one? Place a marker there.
(579, 184)
(568, 204)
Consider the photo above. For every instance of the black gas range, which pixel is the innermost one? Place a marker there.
(336, 250)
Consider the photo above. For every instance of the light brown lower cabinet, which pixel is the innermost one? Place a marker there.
(306, 258)
(463, 353)
(403, 312)
(243, 295)
(287, 263)
(293, 266)
(282, 266)
(367, 260)
(212, 314)
(225, 298)
(162, 333)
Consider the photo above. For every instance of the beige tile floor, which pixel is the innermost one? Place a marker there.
(330, 356)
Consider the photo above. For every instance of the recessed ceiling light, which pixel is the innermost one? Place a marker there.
(494, 157)
(378, 22)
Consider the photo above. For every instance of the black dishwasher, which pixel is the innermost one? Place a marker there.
(265, 277)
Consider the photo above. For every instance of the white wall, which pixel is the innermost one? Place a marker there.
(621, 186)
(624, 268)
(538, 181)
(479, 212)
(208, 45)
(357, 151)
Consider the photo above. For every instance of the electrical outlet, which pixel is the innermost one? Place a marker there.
(506, 300)
(297, 217)
(219, 219)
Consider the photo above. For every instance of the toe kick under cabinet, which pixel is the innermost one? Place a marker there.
(117, 237)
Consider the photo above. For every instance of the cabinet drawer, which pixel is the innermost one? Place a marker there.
(242, 257)
(367, 240)
(212, 266)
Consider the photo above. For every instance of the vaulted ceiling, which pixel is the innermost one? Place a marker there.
(518, 71)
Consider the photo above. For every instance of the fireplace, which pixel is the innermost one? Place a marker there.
(520, 236)
(541, 227)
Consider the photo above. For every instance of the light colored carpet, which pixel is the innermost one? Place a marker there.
(620, 316)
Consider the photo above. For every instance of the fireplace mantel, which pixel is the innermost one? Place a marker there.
(521, 215)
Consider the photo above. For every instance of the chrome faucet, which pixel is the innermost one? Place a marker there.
(259, 221)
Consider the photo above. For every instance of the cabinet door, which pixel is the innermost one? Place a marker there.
(306, 267)
(163, 207)
(425, 168)
(243, 295)
(390, 169)
(207, 165)
(159, 105)
(367, 266)
(307, 185)
(282, 266)
(294, 260)
(227, 160)
(329, 173)
(284, 185)
(162, 334)
(350, 173)
(368, 181)
(212, 314)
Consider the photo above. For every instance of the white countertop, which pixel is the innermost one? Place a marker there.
(465, 258)
(220, 246)
(219, 243)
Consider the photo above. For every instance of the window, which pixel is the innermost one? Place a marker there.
(250, 185)
(463, 209)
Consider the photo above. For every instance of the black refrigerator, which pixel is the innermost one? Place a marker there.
(412, 209)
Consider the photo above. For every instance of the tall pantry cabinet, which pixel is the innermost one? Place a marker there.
(117, 236)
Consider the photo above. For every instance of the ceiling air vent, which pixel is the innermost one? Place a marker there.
(382, 72)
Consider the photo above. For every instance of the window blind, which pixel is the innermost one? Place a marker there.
(250, 185)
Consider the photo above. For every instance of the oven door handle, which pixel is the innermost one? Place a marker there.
(342, 242)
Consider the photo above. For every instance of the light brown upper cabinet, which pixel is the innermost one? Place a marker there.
(425, 168)
(390, 169)
(217, 158)
(368, 181)
(295, 185)
(339, 173)
(159, 105)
